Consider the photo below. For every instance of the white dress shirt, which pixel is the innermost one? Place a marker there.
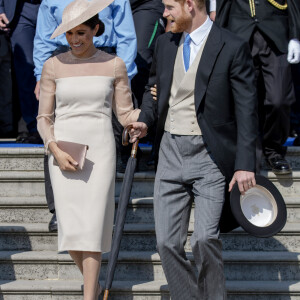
(197, 38)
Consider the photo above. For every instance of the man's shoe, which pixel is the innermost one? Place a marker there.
(33, 138)
(53, 224)
(279, 165)
(21, 137)
(296, 141)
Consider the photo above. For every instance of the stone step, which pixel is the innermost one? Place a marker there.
(140, 210)
(35, 265)
(141, 237)
(35, 210)
(31, 183)
(29, 159)
(139, 290)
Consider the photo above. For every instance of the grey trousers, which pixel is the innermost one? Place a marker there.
(185, 173)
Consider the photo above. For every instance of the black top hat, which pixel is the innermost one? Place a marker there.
(261, 211)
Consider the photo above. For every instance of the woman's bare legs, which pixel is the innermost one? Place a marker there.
(89, 264)
(77, 257)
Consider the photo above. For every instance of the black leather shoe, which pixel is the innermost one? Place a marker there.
(53, 224)
(21, 137)
(297, 141)
(279, 165)
(33, 138)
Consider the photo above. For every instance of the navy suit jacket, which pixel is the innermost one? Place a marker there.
(280, 26)
(8, 7)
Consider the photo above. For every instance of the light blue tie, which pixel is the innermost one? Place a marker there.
(186, 52)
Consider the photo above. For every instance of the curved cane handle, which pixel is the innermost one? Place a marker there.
(125, 140)
(125, 135)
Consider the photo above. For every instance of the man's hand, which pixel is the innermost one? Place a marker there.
(294, 51)
(3, 22)
(37, 90)
(212, 15)
(245, 180)
(138, 130)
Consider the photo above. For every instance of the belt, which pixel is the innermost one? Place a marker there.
(110, 50)
(33, 1)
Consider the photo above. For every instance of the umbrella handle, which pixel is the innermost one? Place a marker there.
(125, 141)
(106, 292)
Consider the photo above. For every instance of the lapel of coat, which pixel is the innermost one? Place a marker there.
(213, 46)
(171, 47)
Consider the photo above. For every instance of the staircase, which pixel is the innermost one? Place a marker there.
(30, 268)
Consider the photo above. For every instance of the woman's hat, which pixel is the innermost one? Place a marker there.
(77, 12)
(261, 211)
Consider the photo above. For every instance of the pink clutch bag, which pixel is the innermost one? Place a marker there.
(76, 150)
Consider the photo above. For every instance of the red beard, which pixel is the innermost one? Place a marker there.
(181, 24)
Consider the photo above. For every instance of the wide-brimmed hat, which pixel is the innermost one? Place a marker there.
(77, 12)
(261, 211)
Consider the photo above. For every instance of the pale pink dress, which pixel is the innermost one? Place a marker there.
(82, 93)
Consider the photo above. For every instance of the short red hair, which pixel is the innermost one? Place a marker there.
(200, 3)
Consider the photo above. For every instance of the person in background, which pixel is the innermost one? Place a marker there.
(118, 38)
(295, 110)
(18, 20)
(6, 113)
(272, 29)
(149, 25)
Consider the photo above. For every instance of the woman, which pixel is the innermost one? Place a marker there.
(84, 85)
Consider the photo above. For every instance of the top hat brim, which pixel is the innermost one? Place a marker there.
(277, 201)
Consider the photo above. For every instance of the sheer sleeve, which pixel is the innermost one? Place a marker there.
(122, 102)
(45, 118)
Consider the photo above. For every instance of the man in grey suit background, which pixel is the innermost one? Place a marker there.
(206, 135)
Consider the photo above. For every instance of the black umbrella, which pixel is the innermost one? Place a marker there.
(121, 213)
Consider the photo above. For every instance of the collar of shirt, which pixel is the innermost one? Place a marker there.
(199, 34)
(197, 38)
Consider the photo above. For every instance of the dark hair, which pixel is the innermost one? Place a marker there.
(92, 23)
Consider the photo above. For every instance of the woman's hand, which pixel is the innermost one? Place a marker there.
(153, 91)
(64, 160)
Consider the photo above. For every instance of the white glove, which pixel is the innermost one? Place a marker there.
(213, 5)
(294, 51)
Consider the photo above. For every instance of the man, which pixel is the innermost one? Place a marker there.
(18, 19)
(207, 131)
(272, 28)
(119, 37)
(6, 115)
